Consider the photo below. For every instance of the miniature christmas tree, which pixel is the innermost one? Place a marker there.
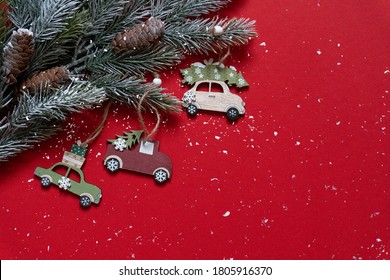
(127, 141)
(58, 57)
(213, 71)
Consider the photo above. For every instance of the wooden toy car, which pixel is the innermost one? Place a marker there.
(59, 175)
(144, 158)
(213, 96)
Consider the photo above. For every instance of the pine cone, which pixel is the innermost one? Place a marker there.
(17, 54)
(139, 36)
(52, 78)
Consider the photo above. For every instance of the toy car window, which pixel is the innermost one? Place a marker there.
(203, 87)
(75, 176)
(216, 88)
(60, 169)
(146, 148)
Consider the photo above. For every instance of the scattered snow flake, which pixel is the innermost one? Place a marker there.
(98, 154)
(263, 44)
(297, 143)
(214, 179)
(387, 71)
(276, 133)
(338, 123)
(293, 176)
(319, 52)
(48, 248)
(30, 180)
(374, 214)
(227, 214)
(217, 137)
(225, 152)
(378, 240)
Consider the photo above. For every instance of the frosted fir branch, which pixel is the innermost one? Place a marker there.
(16, 140)
(173, 10)
(102, 12)
(35, 118)
(129, 90)
(53, 18)
(5, 96)
(194, 36)
(134, 13)
(61, 49)
(22, 13)
(4, 30)
(150, 59)
(46, 105)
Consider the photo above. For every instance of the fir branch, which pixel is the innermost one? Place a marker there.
(5, 96)
(61, 49)
(14, 141)
(3, 24)
(174, 10)
(129, 90)
(102, 13)
(53, 18)
(194, 37)
(134, 13)
(149, 59)
(33, 118)
(23, 13)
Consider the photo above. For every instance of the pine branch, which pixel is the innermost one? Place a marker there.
(102, 13)
(177, 10)
(22, 15)
(194, 36)
(14, 141)
(5, 96)
(149, 59)
(33, 119)
(3, 24)
(53, 18)
(61, 49)
(129, 90)
(134, 13)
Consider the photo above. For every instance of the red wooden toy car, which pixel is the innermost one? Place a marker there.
(144, 158)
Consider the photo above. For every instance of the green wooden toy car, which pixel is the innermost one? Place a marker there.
(70, 178)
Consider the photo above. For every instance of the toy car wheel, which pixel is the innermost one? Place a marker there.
(113, 165)
(45, 182)
(85, 201)
(192, 110)
(160, 176)
(232, 114)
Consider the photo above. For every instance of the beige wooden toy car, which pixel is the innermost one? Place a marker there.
(213, 96)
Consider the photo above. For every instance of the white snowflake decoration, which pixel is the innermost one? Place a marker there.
(120, 144)
(217, 76)
(189, 97)
(201, 76)
(241, 82)
(186, 72)
(198, 71)
(64, 183)
(190, 79)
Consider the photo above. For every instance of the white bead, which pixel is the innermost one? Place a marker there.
(217, 30)
(157, 81)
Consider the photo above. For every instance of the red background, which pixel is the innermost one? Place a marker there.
(303, 175)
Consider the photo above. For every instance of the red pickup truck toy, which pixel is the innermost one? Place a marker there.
(143, 158)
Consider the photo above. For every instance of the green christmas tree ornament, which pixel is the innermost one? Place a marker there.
(213, 72)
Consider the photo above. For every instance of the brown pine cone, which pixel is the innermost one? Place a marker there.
(139, 36)
(52, 78)
(17, 54)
